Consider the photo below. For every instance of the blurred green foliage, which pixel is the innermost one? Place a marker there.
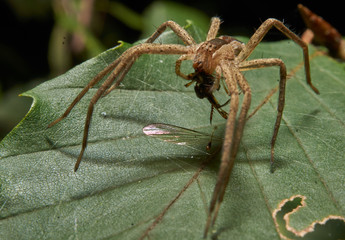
(79, 30)
(81, 25)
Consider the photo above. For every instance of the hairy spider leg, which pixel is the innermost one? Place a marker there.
(249, 48)
(177, 29)
(178, 67)
(233, 76)
(262, 31)
(249, 65)
(244, 86)
(129, 56)
(270, 62)
(121, 77)
(226, 165)
(214, 28)
(94, 81)
(230, 149)
(120, 73)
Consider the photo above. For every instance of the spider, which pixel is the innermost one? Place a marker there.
(212, 59)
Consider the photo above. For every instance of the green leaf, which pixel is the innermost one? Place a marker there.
(127, 180)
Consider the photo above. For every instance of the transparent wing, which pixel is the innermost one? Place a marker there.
(179, 135)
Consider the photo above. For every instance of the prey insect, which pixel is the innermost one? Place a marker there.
(215, 58)
(179, 135)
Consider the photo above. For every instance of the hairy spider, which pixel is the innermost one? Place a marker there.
(212, 59)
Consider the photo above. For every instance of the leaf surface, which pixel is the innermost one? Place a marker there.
(127, 179)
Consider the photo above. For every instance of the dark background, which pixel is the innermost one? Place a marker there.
(26, 28)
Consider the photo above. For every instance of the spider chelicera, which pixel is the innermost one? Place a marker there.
(214, 58)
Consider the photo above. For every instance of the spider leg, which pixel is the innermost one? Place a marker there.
(226, 161)
(121, 77)
(130, 63)
(263, 102)
(262, 31)
(129, 56)
(92, 103)
(178, 66)
(242, 82)
(213, 30)
(269, 62)
(225, 88)
(177, 29)
(94, 81)
(102, 91)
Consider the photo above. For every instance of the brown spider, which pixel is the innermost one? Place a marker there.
(215, 58)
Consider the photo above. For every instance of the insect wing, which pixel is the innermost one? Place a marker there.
(178, 135)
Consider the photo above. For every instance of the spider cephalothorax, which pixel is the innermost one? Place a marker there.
(209, 53)
(213, 59)
(207, 76)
